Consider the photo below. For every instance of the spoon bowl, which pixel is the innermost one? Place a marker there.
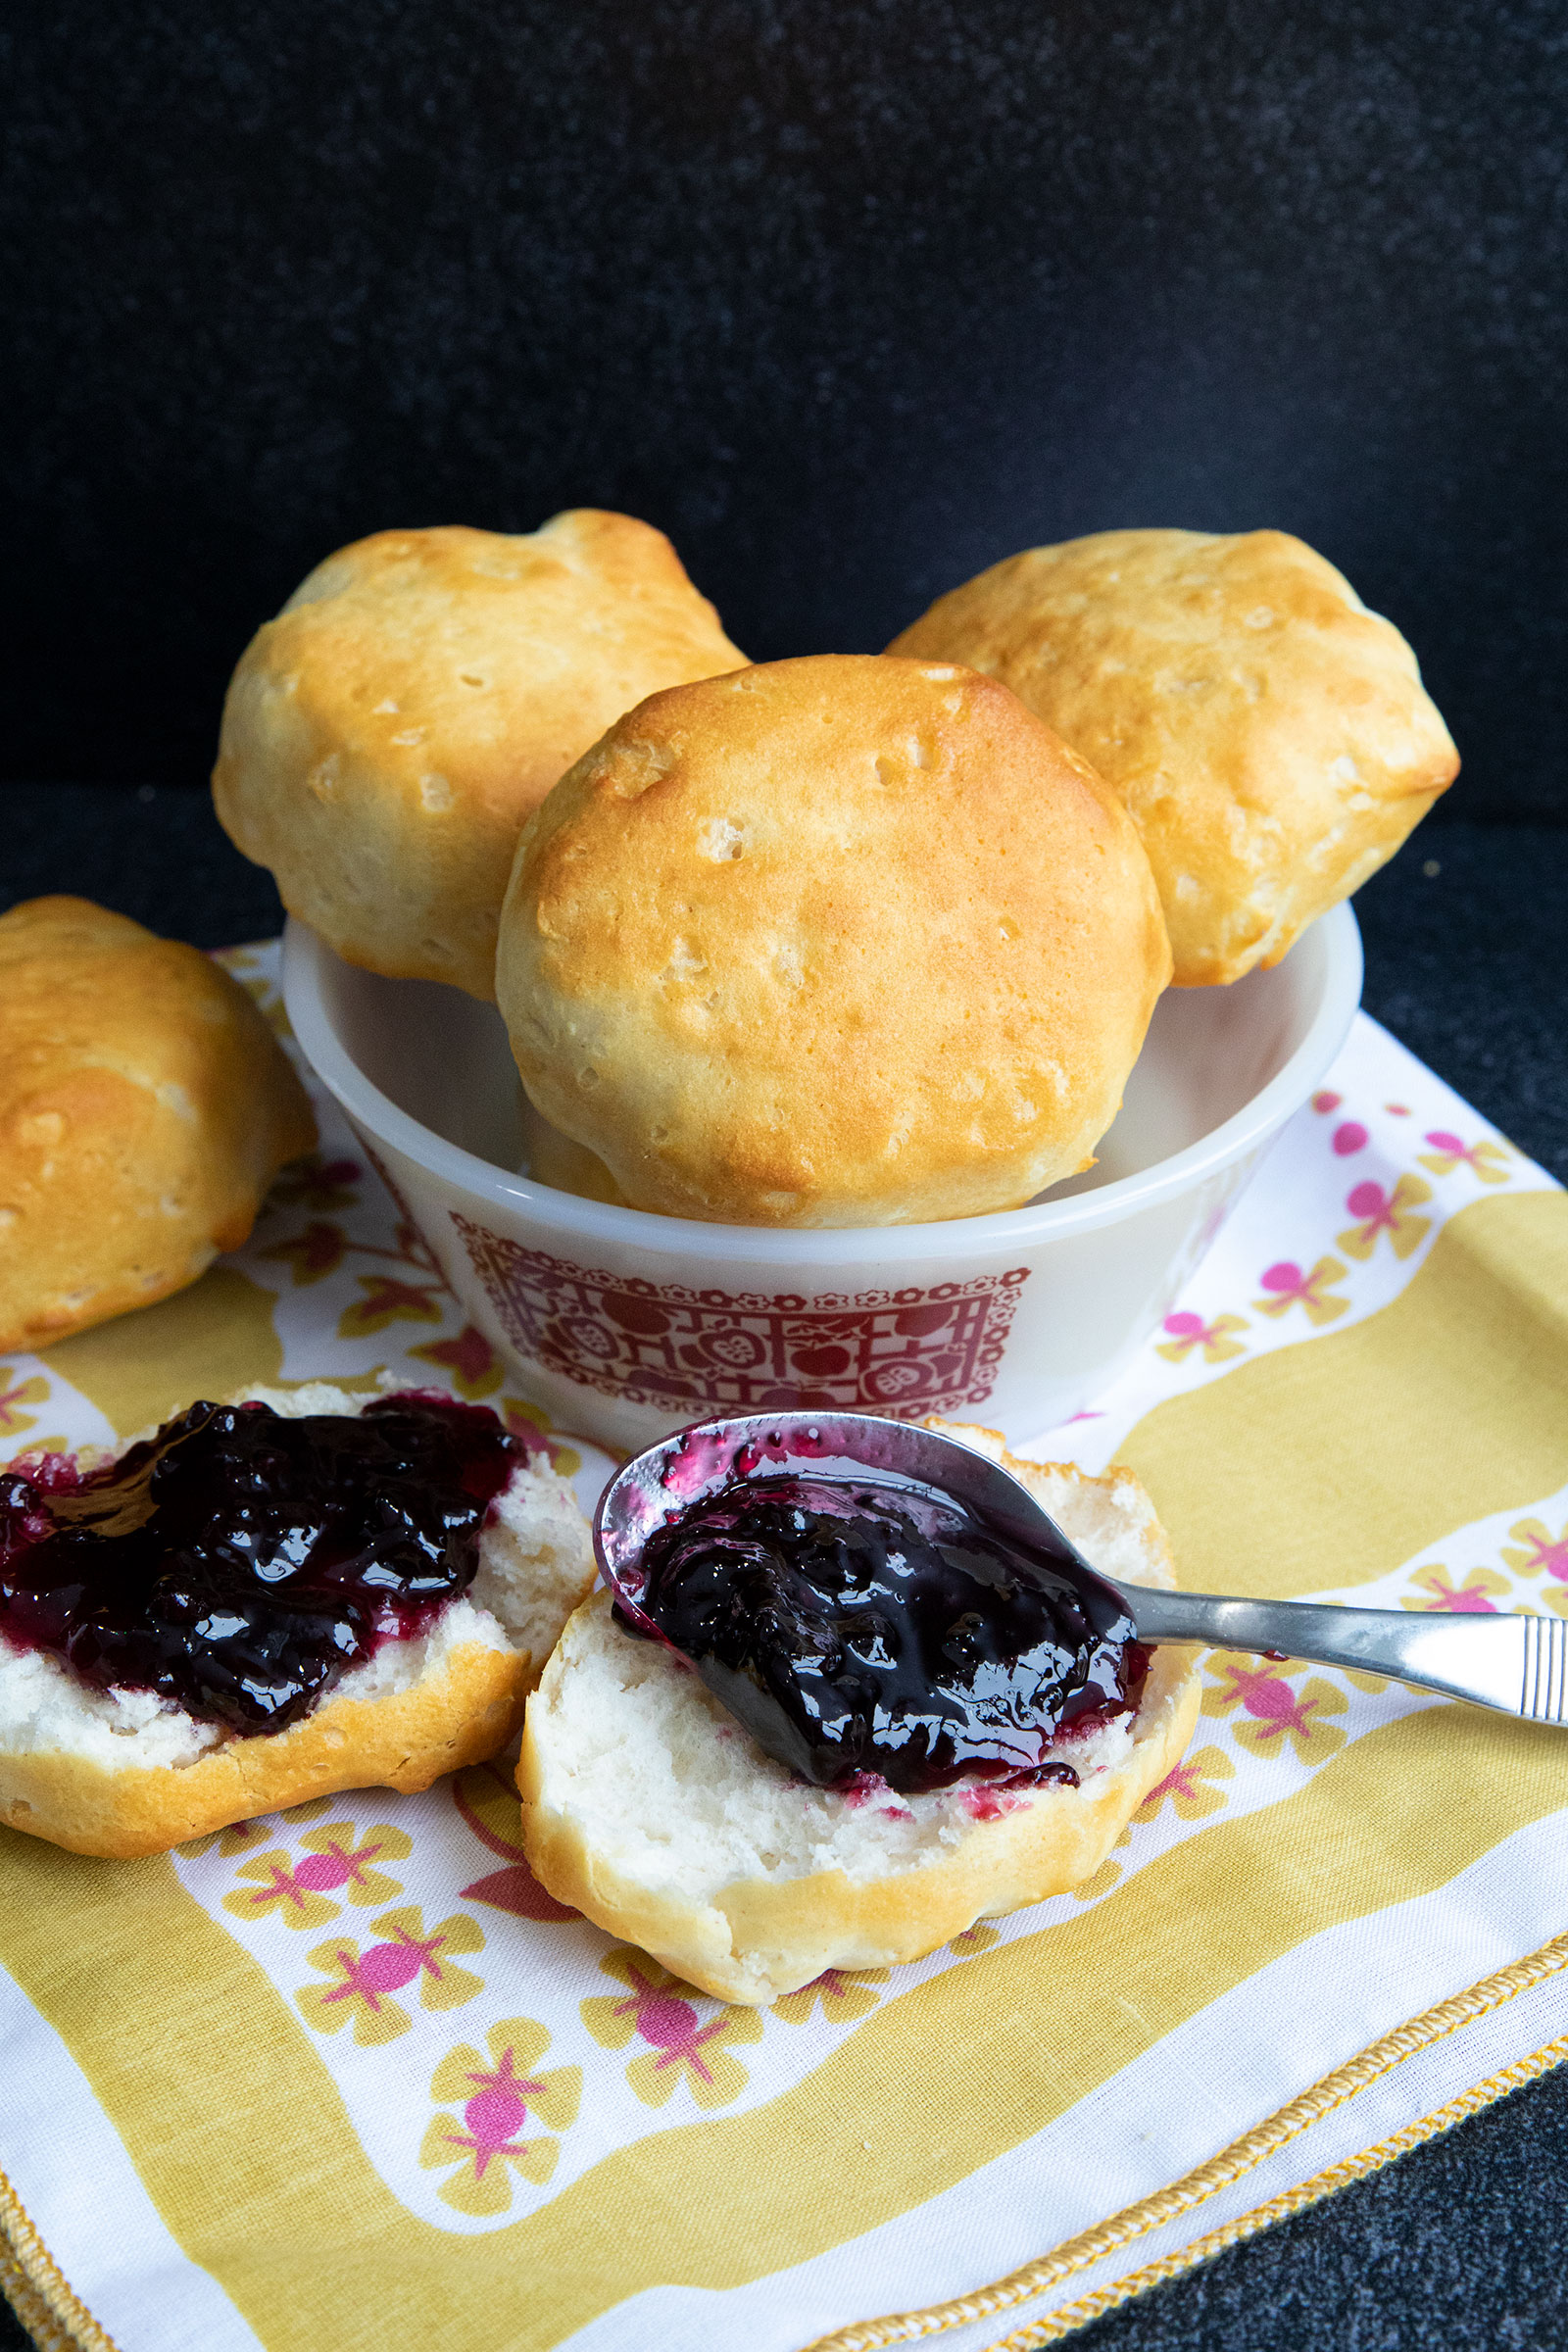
(696, 1462)
(1517, 1664)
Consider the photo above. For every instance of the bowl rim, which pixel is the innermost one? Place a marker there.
(998, 1233)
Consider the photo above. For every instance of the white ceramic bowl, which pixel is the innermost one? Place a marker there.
(625, 1325)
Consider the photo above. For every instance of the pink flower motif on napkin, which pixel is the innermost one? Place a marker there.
(1438, 1592)
(387, 1301)
(1534, 1548)
(487, 1800)
(1386, 1212)
(844, 1993)
(1485, 1158)
(337, 1861)
(237, 1838)
(363, 1984)
(1288, 1286)
(1189, 1331)
(978, 1938)
(26, 1392)
(533, 1425)
(1351, 1138)
(312, 1254)
(474, 1366)
(655, 2011)
(499, 2094)
(1190, 1790)
(317, 1183)
(1276, 1715)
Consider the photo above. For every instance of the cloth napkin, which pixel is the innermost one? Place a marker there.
(349, 2077)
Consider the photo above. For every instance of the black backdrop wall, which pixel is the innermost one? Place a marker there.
(852, 299)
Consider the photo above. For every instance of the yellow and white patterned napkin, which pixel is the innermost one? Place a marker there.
(349, 2076)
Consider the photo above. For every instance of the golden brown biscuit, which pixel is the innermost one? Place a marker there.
(840, 941)
(1267, 734)
(145, 1106)
(387, 735)
(465, 1708)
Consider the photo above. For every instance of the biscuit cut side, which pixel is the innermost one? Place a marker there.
(145, 1106)
(123, 1773)
(650, 1809)
(387, 735)
(1269, 737)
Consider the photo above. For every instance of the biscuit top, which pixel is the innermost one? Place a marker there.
(385, 736)
(1269, 736)
(835, 940)
(506, 655)
(91, 997)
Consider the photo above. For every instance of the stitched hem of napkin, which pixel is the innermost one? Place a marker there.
(1061, 2322)
(57, 2320)
(1242, 2156)
(38, 2291)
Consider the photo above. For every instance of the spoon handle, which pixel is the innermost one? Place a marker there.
(1519, 1664)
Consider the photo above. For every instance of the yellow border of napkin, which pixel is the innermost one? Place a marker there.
(56, 2316)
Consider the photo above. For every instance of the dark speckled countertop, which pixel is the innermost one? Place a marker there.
(1467, 963)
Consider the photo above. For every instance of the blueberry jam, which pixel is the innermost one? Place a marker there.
(239, 1561)
(858, 1629)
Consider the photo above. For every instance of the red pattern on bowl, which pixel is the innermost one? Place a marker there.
(666, 1344)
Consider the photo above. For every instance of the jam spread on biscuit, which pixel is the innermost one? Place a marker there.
(239, 1561)
(856, 1629)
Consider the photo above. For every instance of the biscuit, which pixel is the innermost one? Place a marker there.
(145, 1106)
(384, 738)
(1269, 735)
(840, 941)
(648, 1808)
(123, 1773)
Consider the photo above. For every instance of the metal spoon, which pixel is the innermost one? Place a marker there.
(1514, 1663)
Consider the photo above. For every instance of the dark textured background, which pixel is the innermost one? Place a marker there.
(851, 298)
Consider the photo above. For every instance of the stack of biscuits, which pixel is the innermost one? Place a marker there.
(843, 941)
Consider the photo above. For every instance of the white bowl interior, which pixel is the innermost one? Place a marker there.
(442, 1058)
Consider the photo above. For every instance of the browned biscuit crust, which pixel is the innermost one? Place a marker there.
(838, 941)
(1269, 735)
(762, 1937)
(145, 1106)
(403, 1740)
(387, 735)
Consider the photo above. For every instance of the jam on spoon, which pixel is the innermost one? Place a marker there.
(856, 1627)
(239, 1561)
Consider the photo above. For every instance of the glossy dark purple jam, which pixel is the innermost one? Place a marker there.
(858, 1629)
(238, 1562)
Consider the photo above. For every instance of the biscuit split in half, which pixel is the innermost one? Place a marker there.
(649, 1808)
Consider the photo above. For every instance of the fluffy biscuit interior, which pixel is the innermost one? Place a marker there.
(534, 1559)
(668, 1790)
